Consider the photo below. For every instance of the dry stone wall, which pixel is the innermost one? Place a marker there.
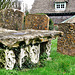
(66, 44)
(36, 21)
(11, 19)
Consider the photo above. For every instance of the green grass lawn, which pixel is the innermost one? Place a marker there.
(59, 65)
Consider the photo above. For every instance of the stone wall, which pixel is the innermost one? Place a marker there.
(11, 19)
(66, 44)
(36, 21)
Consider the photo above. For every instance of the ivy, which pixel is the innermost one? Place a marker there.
(5, 4)
(43, 58)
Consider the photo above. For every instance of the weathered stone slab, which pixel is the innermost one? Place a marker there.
(36, 21)
(66, 44)
(11, 38)
(11, 19)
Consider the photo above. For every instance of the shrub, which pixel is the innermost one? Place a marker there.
(5, 4)
(51, 24)
(27, 12)
(56, 27)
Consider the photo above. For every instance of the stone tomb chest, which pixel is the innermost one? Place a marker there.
(16, 46)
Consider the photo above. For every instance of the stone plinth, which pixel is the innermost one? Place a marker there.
(38, 22)
(11, 19)
(20, 46)
(66, 44)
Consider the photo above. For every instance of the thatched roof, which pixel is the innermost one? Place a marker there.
(70, 20)
(47, 6)
(61, 0)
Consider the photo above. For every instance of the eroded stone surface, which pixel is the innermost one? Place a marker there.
(34, 53)
(30, 52)
(48, 49)
(66, 44)
(12, 38)
(24, 53)
(10, 59)
(36, 21)
(11, 19)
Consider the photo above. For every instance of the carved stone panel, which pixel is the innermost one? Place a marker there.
(46, 47)
(30, 52)
(24, 53)
(34, 53)
(10, 59)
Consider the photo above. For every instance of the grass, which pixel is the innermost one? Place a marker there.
(59, 65)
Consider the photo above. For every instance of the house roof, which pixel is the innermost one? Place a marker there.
(70, 20)
(61, 0)
(47, 6)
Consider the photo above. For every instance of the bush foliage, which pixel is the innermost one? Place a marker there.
(51, 25)
(5, 4)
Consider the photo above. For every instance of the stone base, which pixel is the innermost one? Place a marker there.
(10, 59)
(7, 59)
(31, 53)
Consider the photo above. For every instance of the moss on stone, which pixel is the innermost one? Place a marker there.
(2, 58)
